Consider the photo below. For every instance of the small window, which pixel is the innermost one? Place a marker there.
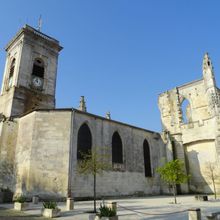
(173, 150)
(147, 161)
(38, 68)
(117, 149)
(11, 73)
(84, 141)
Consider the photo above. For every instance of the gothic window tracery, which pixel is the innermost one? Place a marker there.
(84, 141)
(215, 100)
(117, 149)
(147, 161)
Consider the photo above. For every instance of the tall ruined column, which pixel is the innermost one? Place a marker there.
(170, 106)
(214, 98)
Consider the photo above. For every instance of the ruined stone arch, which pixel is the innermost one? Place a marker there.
(84, 141)
(186, 111)
(117, 148)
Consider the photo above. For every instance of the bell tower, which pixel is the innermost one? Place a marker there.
(29, 80)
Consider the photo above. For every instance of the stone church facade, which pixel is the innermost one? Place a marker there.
(41, 143)
(191, 128)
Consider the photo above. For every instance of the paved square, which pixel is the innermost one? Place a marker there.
(137, 208)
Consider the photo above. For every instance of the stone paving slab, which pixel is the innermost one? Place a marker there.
(136, 208)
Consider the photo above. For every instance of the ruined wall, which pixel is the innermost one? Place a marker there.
(193, 129)
(199, 155)
(172, 112)
(195, 93)
(194, 137)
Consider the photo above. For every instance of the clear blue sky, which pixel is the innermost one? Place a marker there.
(120, 54)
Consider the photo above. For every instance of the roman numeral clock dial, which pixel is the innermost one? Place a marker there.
(37, 82)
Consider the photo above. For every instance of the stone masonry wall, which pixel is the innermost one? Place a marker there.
(129, 181)
(47, 148)
(8, 138)
(195, 139)
(44, 140)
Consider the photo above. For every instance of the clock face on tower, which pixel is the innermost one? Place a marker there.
(37, 82)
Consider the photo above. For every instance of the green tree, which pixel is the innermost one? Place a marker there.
(173, 173)
(93, 163)
(212, 172)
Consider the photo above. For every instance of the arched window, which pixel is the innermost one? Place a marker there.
(84, 141)
(38, 68)
(173, 150)
(11, 73)
(147, 162)
(186, 111)
(117, 154)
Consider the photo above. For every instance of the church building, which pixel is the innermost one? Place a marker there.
(42, 144)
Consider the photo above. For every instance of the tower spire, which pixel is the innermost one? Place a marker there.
(39, 23)
(82, 104)
(208, 71)
(207, 63)
(108, 115)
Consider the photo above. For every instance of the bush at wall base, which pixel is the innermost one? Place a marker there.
(105, 213)
(20, 204)
(50, 210)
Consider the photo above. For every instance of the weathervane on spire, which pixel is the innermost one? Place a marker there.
(39, 23)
